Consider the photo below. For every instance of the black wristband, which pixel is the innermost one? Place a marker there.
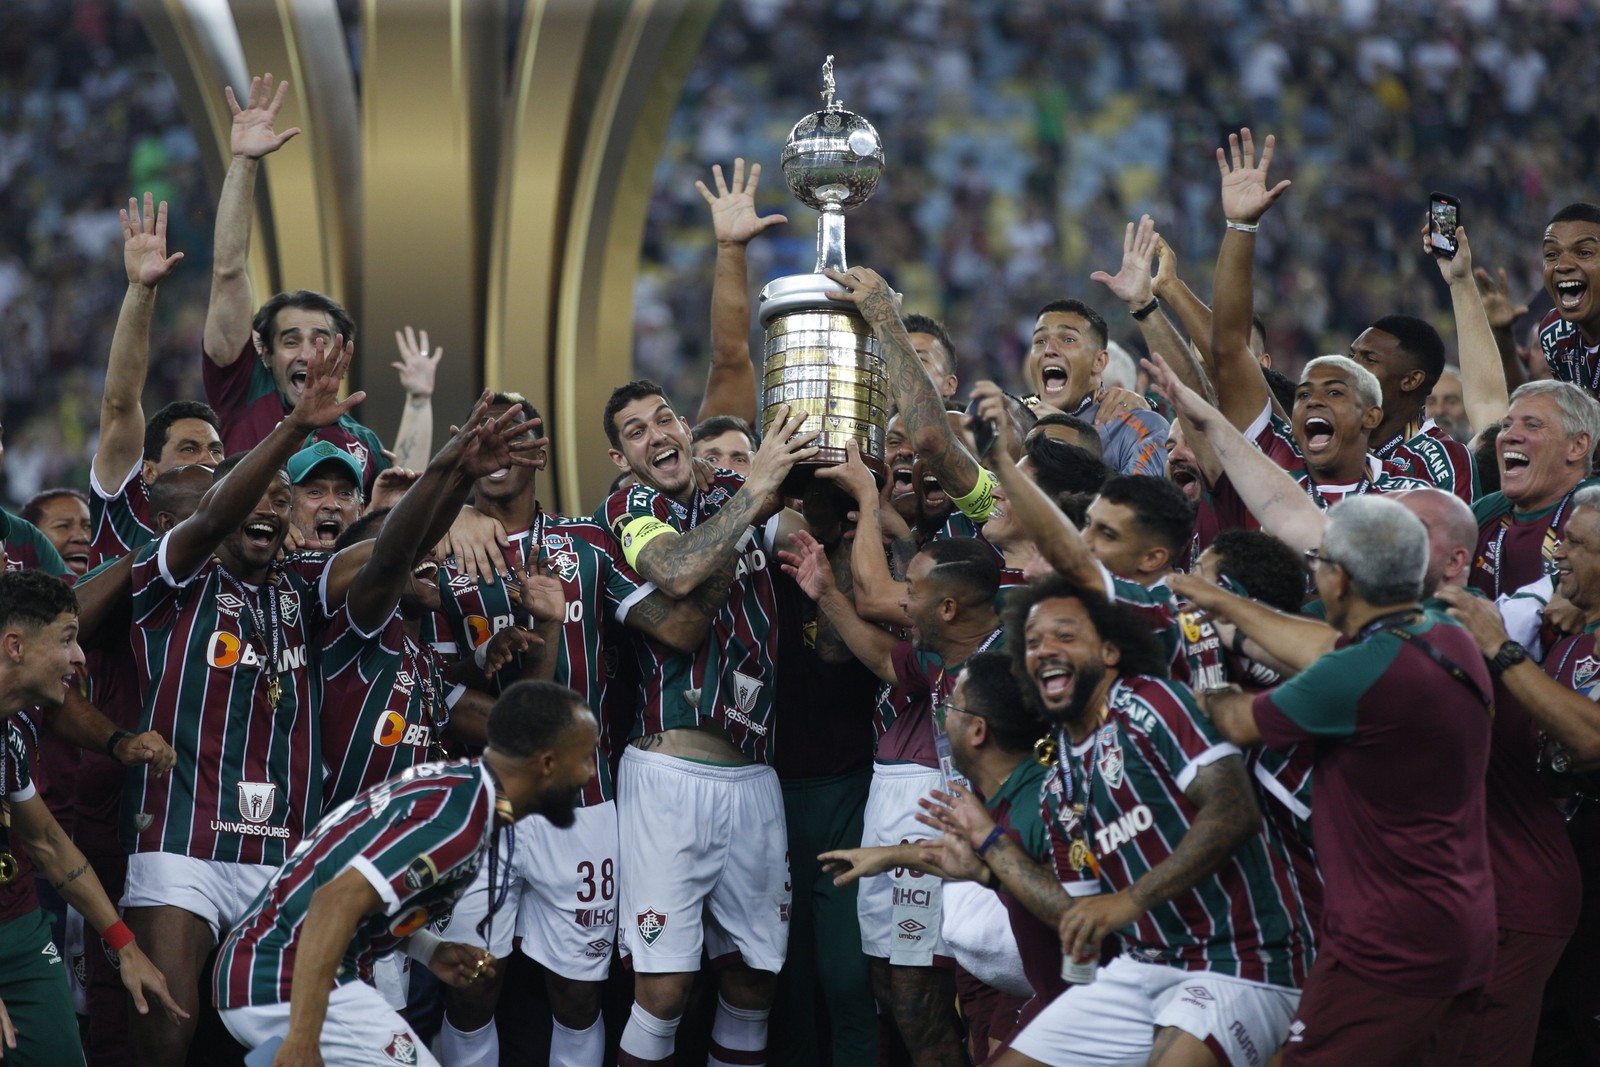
(116, 736)
(1144, 312)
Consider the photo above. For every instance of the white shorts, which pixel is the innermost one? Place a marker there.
(561, 896)
(977, 932)
(391, 977)
(901, 912)
(218, 892)
(1111, 1021)
(705, 863)
(361, 1030)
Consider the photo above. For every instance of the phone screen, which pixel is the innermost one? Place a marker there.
(1444, 215)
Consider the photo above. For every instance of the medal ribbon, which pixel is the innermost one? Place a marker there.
(1544, 547)
(269, 638)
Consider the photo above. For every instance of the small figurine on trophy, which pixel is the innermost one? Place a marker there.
(820, 354)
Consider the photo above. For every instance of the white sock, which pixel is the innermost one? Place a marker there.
(479, 1048)
(578, 1048)
(647, 1039)
(738, 1037)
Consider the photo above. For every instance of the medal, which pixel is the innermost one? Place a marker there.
(8, 868)
(274, 691)
(1078, 855)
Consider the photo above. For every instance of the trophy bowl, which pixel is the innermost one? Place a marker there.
(832, 160)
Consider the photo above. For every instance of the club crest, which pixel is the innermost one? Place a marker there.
(651, 923)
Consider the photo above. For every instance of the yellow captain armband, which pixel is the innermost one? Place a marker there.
(978, 504)
(639, 532)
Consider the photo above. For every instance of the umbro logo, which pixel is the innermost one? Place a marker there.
(462, 582)
(1297, 1031)
(1199, 992)
(911, 926)
(230, 605)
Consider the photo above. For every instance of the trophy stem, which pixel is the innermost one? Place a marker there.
(830, 239)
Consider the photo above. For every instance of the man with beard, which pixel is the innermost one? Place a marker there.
(223, 632)
(378, 869)
(181, 433)
(256, 369)
(38, 631)
(563, 583)
(949, 601)
(698, 759)
(1145, 799)
(1570, 333)
(1408, 938)
(1545, 448)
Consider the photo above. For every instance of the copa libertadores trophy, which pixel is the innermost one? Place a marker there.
(820, 354)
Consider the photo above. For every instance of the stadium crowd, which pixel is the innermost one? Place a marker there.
(1249, 720)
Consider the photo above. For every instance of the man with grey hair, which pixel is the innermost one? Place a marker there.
(1546, 444)
(1408, 921)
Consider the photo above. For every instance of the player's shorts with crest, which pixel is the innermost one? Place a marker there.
(901, 912)
(214, 890)
(561, 899)
(361, 1030)
(1111, 1021)
(700, 841)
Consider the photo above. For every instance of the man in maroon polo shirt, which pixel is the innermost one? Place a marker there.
(1408, 933)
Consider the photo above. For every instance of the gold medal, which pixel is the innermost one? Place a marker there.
(274, 692)
(1078, 855)
(8, 868)
(1044, 751)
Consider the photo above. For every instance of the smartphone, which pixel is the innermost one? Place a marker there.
(984, 432)
(1444, 215)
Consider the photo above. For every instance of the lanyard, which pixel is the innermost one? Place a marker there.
(269, 637)
(499, 887)
(1316, 496)
(1544, 548)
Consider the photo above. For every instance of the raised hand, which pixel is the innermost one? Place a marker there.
(808, 565)
(390, 485)
(319, 403)
(1132, 283)
(733, 209)
(144, 243)
(958, 813)
(416, 366)
(253, 135)
(507, 644)
(1458, 268)
(540, 593)
(1166, 266)
(853, 476)
(992, 408)
(1497, 303)
(784, 446)
(488, 445)
(1245, 195)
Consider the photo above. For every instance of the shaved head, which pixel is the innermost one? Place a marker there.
(1452, 535)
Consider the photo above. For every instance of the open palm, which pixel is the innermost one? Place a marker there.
(1245, 193)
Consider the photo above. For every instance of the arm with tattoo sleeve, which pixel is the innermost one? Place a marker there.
(1228, 816)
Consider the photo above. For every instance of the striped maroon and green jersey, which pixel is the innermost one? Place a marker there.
(1246, 919)
(383, 704)
(119, 518)
(419, 839)
(1157, 606)
(578, 554)
(958, 524)
(248, 783)
(728, 680)
(1016, 809)
(28, 549)
(1570, 358)
(18, 896)
(1429, 453)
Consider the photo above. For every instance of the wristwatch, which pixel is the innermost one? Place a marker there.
(115, 739)
(1508, 655)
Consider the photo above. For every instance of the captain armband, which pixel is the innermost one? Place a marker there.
(978, 504)
(637, 533)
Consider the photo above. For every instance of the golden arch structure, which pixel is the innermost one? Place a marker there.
(501, 207)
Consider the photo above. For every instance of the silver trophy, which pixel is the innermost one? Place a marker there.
(820, 354)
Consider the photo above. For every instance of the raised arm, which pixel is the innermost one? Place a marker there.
(423, 516)
(874, 589)
(1058, 540)
(1175, 295)
(417, 369)
(1275, 499)
(1133, 285)
(230, 501)
(1241, 387)
(677, 564)
(1296, 641)
(910, 388)
(808, 566)
(1483, 373)
(963, 819)
(144, 255)
(1503, 312)
(232, 303)
(731, 382)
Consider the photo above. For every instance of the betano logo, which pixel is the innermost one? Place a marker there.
(392, 729)
(225, 650)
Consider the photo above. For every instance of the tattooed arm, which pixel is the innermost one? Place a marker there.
(912, 390)
(1226, 819)
(684, 624)
(1030, 881)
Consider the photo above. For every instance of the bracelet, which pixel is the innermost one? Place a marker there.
(1144, 312)
(1237, 642)
(112, 741)
(117, 936)
(995, 834)
(1244, 227)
